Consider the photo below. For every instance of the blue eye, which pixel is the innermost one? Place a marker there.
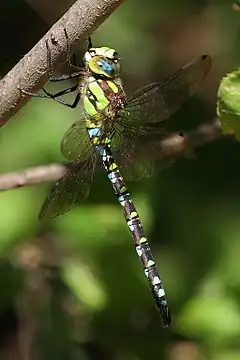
(107, 67)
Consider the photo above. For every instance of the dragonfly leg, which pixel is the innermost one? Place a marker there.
(60, 93)
(65, 76)
(48, 95)
(64, 92)
(32, 94)
(74, 65)
(71, 65)
(77, 70)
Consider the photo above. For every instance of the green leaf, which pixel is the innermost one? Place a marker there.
(228, 104)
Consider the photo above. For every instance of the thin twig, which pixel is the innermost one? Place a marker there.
(30, 176)
(173, 146)
(32, 70)
(181, 144)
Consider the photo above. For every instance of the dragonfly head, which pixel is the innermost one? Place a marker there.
(102, 61)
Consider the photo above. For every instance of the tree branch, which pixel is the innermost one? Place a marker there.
(173, 146)
(30, 176)
(32, 70)
(183, 144)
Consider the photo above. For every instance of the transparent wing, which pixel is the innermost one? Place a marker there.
(134, 171)
(144, 157)
(70, 190)
(136, 149)
(76, 144)
(157, 101)
(137, 133)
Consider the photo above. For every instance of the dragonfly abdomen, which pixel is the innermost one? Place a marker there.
(102, 145)
(135, 226)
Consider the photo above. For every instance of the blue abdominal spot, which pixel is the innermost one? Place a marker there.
(94, 132)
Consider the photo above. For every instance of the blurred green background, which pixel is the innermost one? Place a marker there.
(74, 289)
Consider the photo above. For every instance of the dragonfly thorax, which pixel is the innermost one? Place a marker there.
(102, 62)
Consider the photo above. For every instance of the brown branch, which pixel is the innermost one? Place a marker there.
(32, 70)
(173, 146)
(183, 144)
(30, 176)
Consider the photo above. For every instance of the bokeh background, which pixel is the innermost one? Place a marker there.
(73, 289)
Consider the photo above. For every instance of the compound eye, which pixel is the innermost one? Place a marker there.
(106, 66)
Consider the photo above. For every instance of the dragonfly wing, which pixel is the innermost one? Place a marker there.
(70, 190)
(157, 101)
(137, 148)
(76, 143)
(134, 171)
(143, 159)
(137, 135)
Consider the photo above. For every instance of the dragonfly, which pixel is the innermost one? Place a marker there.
(122, 134)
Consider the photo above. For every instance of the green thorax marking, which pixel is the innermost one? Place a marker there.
(100, 94)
